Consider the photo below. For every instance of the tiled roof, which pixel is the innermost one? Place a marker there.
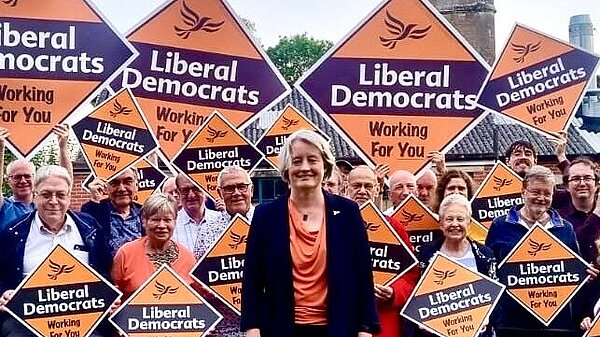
(477, 144)
(340, 148)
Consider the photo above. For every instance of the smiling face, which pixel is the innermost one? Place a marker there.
(537, 197)
(122, 189)
(582, 182)
(159, 227)
(307, 167)
(454, 222)
(236, 191)
(190, 196)
(456, 185)
(52, 200)
(521, 160)
(20, 179)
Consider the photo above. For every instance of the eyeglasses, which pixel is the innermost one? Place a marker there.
(537, 194)
(585, 179)
(125, 181)
(185, 190)
(18, 177)
(60, 195)
(229, 189)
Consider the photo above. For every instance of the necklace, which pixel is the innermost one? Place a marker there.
(168, 255)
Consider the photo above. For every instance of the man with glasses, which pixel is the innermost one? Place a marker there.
(20, 174)
(118, 215)
(33, 236)
(511, 319)
(195, 227)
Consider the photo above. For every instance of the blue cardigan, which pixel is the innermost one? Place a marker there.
(267, 287)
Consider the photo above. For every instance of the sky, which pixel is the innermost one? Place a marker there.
(333, 19)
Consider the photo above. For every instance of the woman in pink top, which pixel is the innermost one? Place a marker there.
(137, 260)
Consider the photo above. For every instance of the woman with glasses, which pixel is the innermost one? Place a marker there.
(308, 267)
(139, 259)
(510, 318)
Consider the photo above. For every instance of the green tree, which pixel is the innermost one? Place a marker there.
(294, 55)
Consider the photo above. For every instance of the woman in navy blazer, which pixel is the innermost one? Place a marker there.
(293, 285)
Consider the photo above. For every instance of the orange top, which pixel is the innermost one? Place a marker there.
(131, 267)
(309, 259)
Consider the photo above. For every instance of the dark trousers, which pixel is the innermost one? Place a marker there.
(310, 330)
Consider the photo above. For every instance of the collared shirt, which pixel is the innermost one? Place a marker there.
(41, 241)
(197, 237)
(12, 209)
(224, 218)
(389, 211)
(123, 230)
(576, 217)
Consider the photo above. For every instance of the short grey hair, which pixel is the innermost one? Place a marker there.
(455, 199)
(17, 162)
(47, 171)
(539, 173)
(159, 203)
(308, 137)
(233, 169)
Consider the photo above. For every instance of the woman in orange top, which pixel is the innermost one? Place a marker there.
(307, 266)
(137, 260)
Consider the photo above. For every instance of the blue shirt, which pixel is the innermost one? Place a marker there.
(12, 209)
(123, 230)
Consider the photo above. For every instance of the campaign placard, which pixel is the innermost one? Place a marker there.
(420, 223)
(150, 178)
(400, 76)
(451, 299)
(289, 121)
(390, 256)
(165, 305)
(195, 57)
(115, 136)
(538, 80)
(85, 183)
(214, 146)
(499, 191)
(542, 274)
(594, 331)
(62, 296)
(51, 65)
(221, 268)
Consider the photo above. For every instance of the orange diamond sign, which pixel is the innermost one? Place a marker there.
(63, 296)
(399, 78)
(538, 80)
(56, 55)
(542, 274)
(421, 224)
(195, 57)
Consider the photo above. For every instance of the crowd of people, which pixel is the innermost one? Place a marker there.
(307, 268)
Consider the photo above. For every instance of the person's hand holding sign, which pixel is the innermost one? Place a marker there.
(97, 189)
(383, 293)
(6, 296)
(593, 272)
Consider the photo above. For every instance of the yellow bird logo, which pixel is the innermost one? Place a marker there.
(119, 109)
(400, 31)
(236, 240)
(442, 275)
(11, 3)
(214, 134)
(524, 50)
(537, 247)
(501, 182)
(289, 122)
(58, 269)
(195, 23)
(370, 226)
(162, 290)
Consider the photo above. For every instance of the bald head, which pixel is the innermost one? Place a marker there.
(402, 183)
(362, 184)
(426, 187)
